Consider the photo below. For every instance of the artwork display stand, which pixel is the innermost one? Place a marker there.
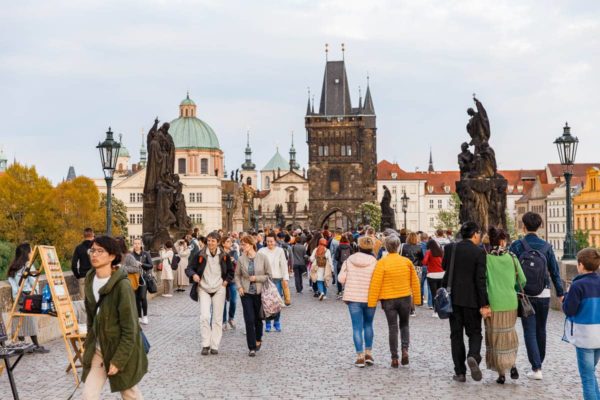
(50, 266)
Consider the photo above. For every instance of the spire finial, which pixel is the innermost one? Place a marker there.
(292, 138)
(120, 137)
(313, 104)
(368, 78)
(326, 51)
(248, 138)
(187, 96)
(343, 51)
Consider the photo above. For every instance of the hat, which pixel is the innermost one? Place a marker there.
(365, 243)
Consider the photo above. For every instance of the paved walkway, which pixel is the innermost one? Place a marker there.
(312, 358)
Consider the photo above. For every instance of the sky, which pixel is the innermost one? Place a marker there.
(69, 70)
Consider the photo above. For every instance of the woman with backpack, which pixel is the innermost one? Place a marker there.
(141, 294)
(435, 273)
(501, 340)
(342, 253)
(322, 267)
(355, 275)
(166, 256)
(411, 249)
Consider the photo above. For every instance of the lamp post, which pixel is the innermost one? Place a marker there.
(109, 152)
(404, 199)
(228, 206)
(567, 149)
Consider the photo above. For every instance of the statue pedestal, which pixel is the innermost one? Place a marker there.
(483, 201)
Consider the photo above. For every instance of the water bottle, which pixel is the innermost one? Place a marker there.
(46, 298)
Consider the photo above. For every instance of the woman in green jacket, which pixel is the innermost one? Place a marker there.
(113, 346)
(501, 338)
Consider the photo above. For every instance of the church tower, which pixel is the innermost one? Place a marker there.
(342, 152)
(248, 167)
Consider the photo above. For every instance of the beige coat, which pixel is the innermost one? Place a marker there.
(315, 269)
(262, 271)
(181, 278)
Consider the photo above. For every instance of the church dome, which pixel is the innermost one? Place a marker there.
(189, 132)
(123, 152)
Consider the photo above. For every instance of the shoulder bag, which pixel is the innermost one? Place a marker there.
(443, 301)
(525, 309)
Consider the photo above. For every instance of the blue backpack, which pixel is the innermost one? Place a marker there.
(535, 267)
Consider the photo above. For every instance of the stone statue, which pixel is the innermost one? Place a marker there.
(482, 191)
(165, 212)
(388, 215)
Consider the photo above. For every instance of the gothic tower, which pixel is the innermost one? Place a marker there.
(248, 167)
(342, 152)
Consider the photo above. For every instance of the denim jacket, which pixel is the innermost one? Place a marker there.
(537, 243)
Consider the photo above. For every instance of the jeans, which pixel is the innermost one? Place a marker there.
(423, 280)
(321, 287)
(141, 301)
(397, 309)
(277, 283)
(469, 320)
(298, 271)
(434, 285)
(254, 326)
(340, 287)
(534, 330)
(587, 359)
(232, 302)
(362, 324)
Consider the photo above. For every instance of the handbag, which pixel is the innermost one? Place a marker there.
(159, 267)
(287, 297)
(150, 280)
(443, 300)
(134, 279)
(270, 300)
(524, 309)
(32, 303)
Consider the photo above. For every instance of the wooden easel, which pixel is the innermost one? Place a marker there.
(50, 265)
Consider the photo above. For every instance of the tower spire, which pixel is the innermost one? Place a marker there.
(368, 108)
(326, 51)
(359, 98)
(308, 105)
(248, 165)
(343, 52)
(293, 164)
(430, 169)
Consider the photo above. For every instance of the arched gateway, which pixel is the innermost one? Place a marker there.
(337, 219)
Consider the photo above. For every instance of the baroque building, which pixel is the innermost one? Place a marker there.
(586, 207)
(342, 152)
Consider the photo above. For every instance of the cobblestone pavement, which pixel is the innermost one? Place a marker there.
(312, 358)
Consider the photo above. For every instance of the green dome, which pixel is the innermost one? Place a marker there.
(193, 133)
(123, 152)
(187, 101)
(277, 162)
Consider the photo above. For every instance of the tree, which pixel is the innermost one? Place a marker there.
(372, 213)
(582, 239)
(511, 229)
(448, 219)
(119, 216)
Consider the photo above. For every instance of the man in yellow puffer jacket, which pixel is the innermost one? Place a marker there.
(394, 281)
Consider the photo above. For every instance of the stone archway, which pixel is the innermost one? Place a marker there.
(336, 218)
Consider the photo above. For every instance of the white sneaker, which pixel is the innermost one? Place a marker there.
(324, 297)
(535, 375)
(145, 320)
(434, 315)
(167, 295)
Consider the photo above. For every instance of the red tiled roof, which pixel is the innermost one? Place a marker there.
(261, 194)
(579, 169)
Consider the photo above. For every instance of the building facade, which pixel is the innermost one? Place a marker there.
(586, 207)
(342, 152)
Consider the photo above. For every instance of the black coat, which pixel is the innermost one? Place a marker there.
(197, 265)
(413, 252)
(80, 263)
(468, 287)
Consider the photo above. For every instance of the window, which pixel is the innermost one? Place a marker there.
(204, 166)
(268, 183)
(431, 203)
(440, 203)
(431, 221)
(192, 197)
(181, 166)
(140, 197)
(320, 151)
(132, 219)
(139, 218)
(346, 150)
(335, 181)
(195, 197)
(196, 218)
(325, 150)
(132, 197)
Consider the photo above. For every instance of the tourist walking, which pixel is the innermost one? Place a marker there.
(299, 258)
(435, 272)
(141, 294)
(425, 288)
(469, 301)
(229, 312)
(279, 272)
(211, 270)
(540, 267)
(441, 238)
(394, 281)
(18, 272)
(342, 253)
(252, 271)
(183, 251)
(504, 275)
(582, 328)
(322, 268)
(356, 273)
(411, 249)
(113, 346)
(166, 276)
(80, 263)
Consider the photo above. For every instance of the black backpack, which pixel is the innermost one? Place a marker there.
(175, 262)
(535, 268)
(345, 252)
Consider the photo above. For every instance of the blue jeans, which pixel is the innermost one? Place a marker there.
(534, 330)
(362, 323)
(321, 287)
(232, 302)
(587, 359)
(277, 283)
(424, 284)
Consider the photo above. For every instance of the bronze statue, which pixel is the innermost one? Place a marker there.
(482, 191)
(388, 217)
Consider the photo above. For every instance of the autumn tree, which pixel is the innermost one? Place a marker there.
(448, 219)
(119, 216)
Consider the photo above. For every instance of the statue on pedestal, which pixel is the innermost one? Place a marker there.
(388, 215)
(482, 191)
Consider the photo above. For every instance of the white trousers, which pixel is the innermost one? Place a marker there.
(97, 378)
(211, 335)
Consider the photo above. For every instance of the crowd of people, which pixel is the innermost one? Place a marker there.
(490, 280)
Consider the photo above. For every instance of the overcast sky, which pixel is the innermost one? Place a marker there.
(70, 69)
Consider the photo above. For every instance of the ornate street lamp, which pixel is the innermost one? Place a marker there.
(228, 205)
(404, 199)
(109, 152)
(567, 149)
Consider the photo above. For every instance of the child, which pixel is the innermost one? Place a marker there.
(582, 328)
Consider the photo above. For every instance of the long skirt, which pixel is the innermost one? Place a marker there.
(28, 326)
(501, 341)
